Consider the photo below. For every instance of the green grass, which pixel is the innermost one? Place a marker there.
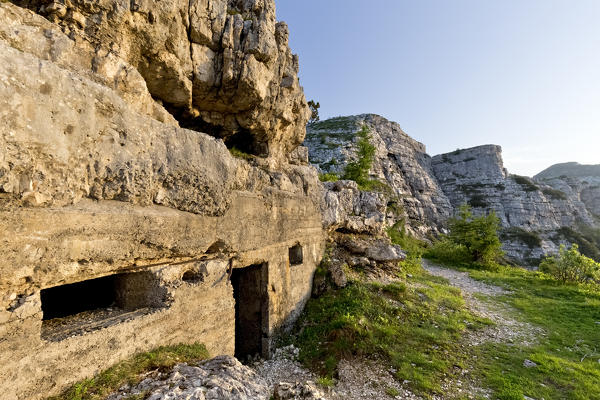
(234, 151)
(329, 177)
(569, 314)
(130, 371)
(417, 329)
(337, 123)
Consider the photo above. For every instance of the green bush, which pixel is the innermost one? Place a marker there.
(329, 177)
(571, 266)
(472, 240)
(447, 251)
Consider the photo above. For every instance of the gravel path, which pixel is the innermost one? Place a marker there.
(506, 328)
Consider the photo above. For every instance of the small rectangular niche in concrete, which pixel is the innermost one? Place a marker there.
(296, 257)
(93, 304)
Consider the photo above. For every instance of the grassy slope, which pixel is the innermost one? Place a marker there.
(570, 316)
(416, 327)
(130, 371)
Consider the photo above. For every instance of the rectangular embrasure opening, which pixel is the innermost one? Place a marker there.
(93, 304)
(295, 254)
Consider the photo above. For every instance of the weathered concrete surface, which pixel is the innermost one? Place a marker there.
(97, 179)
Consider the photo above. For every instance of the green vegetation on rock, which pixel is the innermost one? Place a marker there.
(131, 371)
(329, 177)
(586, 238)
(526, 183)
(237, 153)
(531, 239)
(555, 194)
(358, 171)
(413, 247)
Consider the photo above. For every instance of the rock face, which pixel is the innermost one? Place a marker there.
(400, 162)
(121, 231)
(349, 209)
(578, 180)
(569, 170)
(532, 211)
(220, 66)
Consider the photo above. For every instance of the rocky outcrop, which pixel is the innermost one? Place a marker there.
(220, 66)
(222, 378)
(577, 181)
(400, 163)
(348, 209)
(531, 211)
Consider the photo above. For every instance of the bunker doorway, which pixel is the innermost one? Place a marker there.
(251, 310)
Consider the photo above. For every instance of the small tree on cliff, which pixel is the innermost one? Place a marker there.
(358, 171)
(314, 109)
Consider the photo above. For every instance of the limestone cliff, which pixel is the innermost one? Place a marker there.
(582, 181)
(537, 215)
(533, 212)
(400, 162)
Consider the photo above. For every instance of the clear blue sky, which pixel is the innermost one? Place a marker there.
(524, 74)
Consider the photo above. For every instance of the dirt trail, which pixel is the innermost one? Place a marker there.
(506, 328)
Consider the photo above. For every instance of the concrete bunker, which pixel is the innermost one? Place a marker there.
(251, 310)
(84, 306)
(295, 255)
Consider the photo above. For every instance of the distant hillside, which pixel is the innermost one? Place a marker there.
(570, 169)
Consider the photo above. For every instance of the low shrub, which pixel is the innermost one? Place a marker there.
(329, 177)
(555, 194)
(526, 183)
(413, 247)
(571, 266)
(531, 239)
(445, 250)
